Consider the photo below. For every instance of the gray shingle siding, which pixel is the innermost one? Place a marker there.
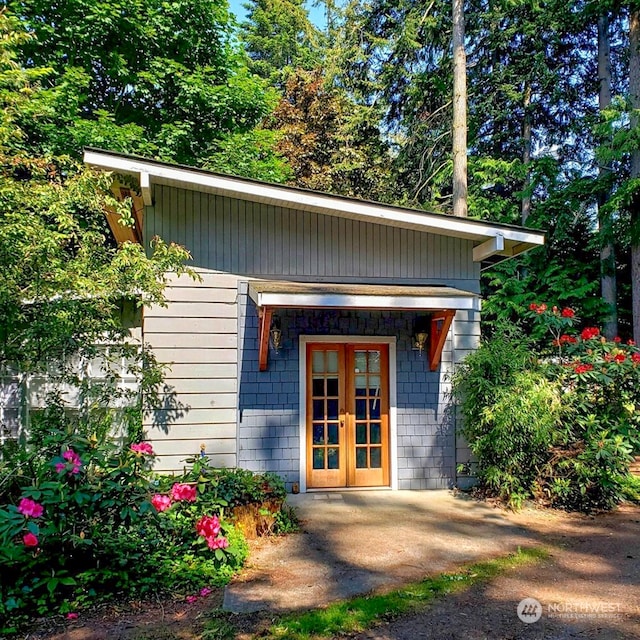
(268, 417)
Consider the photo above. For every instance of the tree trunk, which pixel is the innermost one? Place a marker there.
(459, 112)
(634, 95)
(608, 283)
(526, 154)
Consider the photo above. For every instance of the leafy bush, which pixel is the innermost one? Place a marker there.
(556, 423)
(85, 518)
(513, 436)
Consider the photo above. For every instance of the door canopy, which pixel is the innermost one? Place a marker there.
(439, 303)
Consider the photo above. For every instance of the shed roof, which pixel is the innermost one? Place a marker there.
(490, 239)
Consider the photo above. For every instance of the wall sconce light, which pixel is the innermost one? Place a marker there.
(276, 334)
(420, 334)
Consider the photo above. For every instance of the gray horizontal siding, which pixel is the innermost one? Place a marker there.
(254, 239)
(196, 336)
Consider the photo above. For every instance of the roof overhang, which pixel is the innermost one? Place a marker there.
(439, 303)
(490, 239)
(303, 295)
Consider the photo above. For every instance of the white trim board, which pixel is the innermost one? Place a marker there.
(393, 399)
(504, 240)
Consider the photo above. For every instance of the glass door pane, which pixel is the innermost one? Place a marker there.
(325, 419)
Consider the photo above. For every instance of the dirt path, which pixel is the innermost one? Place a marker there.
(588, 588)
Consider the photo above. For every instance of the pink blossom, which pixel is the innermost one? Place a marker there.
(217, 543)
(620, 357)
(567, 312)
(73, 459)
(72, 616)
(71, 456)
(161, 502)
(636, 358)
(60, 467)
(616, 339)
(185, 492)
(631, 343)
(205, 591)
(208, 526)
(30, 508)
(142, 448)
(30, 540)
(191, 599)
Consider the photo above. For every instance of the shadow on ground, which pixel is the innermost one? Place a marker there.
(357, 542)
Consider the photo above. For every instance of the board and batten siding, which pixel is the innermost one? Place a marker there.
(196, 336)
(264, 241)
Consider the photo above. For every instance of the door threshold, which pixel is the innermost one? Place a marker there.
(341, 489)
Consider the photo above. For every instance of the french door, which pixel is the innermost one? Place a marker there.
(347, 415)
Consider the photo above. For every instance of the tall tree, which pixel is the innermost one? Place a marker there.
(459, 112)
(327, 143)
(167, 70)
(605, 222)
(634, 96)
(280, 38)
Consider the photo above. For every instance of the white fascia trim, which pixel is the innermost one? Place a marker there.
(238, 188)
(393, 398)
(145, 187)
(337, 301)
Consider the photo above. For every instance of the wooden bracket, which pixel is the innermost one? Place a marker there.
(440, 323)
(264, 326)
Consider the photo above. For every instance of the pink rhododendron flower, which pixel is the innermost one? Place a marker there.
(30, 540)
(620, 357)
(533, 307)
(72, 459)
(636, 357)
(30, 508)
(72, 616)
(142, 448)
(205, 591)
(208, 526)
(616, 339)
(61, 467)
(631, 343)
(541, 309)
(184, 492)
(217, 543)
(568, 313)
(191, 599)
(161, 502)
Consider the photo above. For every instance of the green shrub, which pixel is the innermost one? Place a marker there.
(513, 436)
(84, 518)
(557, 424)
(490, 369)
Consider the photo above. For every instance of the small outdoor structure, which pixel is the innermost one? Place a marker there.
(320, 340)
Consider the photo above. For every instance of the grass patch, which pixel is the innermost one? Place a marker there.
(358, 614)
(631, 489)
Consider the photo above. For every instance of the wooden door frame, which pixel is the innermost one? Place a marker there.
(393, 431)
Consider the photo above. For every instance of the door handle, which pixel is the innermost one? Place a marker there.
(342, 417)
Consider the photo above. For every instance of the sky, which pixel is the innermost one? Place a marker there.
(316, 13)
